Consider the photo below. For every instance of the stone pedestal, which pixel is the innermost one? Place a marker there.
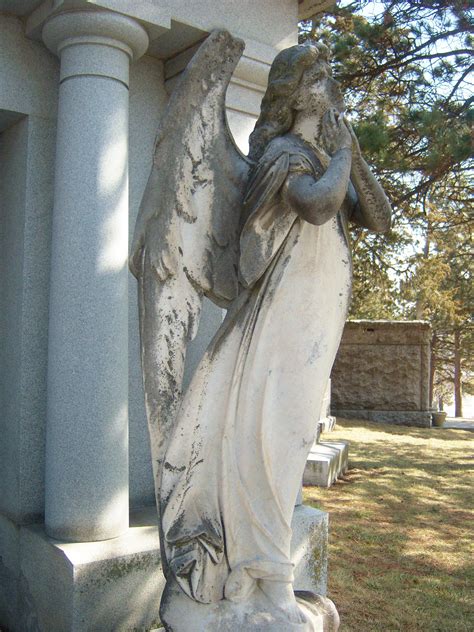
(87, 427)
(255, 614)
(116, 585)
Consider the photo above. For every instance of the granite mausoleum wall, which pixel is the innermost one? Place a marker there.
(381, 372)
(43, 132)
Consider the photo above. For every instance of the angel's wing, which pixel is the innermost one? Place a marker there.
(197, 181)
(187, 232)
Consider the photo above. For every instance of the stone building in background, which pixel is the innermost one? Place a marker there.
(382, 372)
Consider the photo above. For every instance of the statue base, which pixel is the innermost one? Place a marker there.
(179, 613)
(115, 585)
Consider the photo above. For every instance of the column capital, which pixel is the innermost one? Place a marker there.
(95, 27)
(95, 43)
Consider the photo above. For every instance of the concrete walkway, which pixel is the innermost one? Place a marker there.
(459, 423)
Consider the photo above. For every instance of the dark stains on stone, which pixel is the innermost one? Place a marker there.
(173, 468)
(307, 443)
(315, 353)
(122, 567)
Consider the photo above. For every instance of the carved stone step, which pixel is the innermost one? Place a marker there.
(326, 462)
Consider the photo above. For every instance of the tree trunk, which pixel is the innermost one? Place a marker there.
(434, 340)
(457, 374)
(420, 306)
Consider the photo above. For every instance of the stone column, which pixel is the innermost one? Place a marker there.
(87, 427)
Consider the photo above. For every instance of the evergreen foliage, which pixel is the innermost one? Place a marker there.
(406, 69)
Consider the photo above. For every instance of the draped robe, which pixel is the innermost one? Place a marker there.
(235, 459)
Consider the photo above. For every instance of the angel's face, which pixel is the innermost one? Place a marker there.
(319, 92)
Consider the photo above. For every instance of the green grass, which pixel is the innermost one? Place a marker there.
(401, 527)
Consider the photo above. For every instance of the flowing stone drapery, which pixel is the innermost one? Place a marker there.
(87, 427)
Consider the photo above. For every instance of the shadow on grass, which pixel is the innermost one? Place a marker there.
(400, 548)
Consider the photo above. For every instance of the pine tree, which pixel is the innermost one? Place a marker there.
(406, 71)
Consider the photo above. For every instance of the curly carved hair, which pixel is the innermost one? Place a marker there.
(277, 111)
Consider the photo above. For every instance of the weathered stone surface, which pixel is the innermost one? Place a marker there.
(147, 101)
(32, 77)
(28, 98)
(382, 371)
(115, 585)
(109, 586)
(320, 608)
(380, 376)
(318, 614)
(389, 332)
(248, 234)
(309, 551)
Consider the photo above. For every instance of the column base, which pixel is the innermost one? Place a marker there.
(109, 586)
(116, 585)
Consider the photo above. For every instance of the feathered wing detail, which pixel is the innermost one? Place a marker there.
(186, 239)
(198, 177)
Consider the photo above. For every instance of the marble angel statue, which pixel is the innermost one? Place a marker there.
(267, 237)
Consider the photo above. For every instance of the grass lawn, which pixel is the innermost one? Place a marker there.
(401, 528)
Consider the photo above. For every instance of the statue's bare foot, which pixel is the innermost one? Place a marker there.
(283, 598)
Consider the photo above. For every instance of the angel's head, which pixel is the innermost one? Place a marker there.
(300, 81)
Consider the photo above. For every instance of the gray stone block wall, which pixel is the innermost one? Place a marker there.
(28, 92)
(28, 80)
(381, 372)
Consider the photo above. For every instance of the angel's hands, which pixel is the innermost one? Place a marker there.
(355, 142)
(336, 134)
